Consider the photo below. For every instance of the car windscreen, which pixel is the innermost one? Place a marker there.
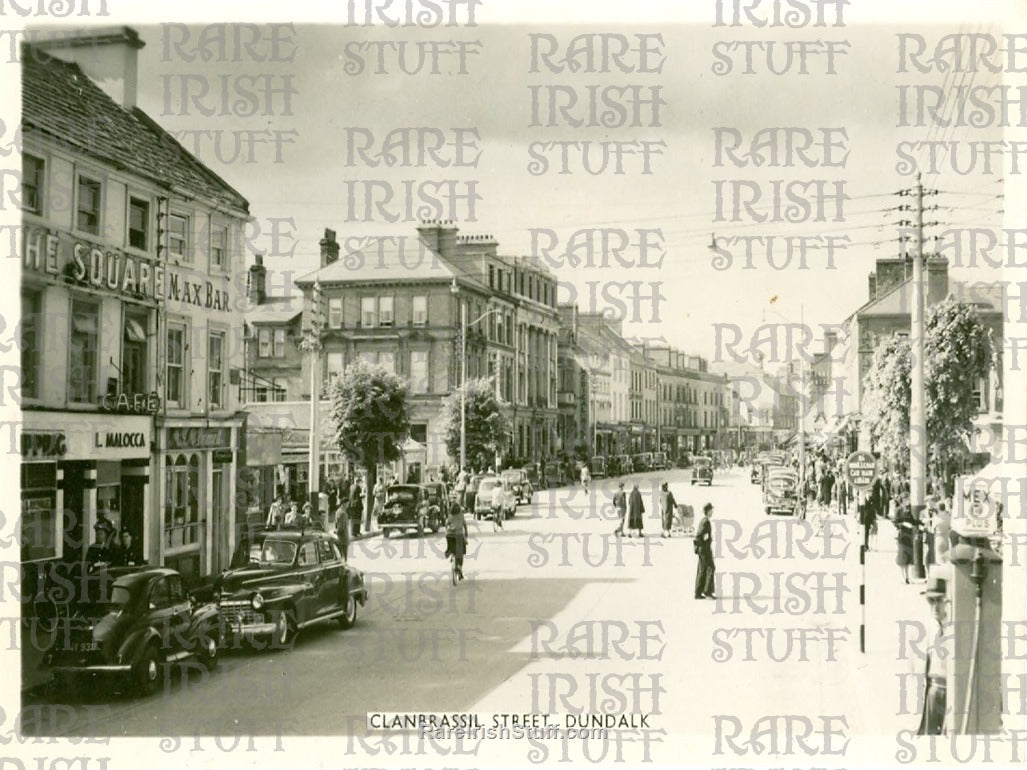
(275, 553)
(488, 485)
(401, 496)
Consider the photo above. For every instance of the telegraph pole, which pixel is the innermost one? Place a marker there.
(917, 415)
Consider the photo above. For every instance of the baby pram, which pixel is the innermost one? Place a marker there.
(684, 520)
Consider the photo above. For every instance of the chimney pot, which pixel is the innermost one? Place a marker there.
(107, 55)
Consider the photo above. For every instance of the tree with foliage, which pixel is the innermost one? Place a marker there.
(368, 419)
(886, 396)
(958, 353)
(488, 431)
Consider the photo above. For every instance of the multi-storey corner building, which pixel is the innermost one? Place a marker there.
(398, 303)
(131, 317)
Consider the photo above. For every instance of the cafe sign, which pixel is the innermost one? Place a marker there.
(134, 403)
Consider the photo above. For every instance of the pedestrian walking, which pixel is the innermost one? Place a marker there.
(667, 506)
(356, 507)
(636, 508)
(868, 520)
(620, 503)
(904, 534)
(703, 545)
(342, 529)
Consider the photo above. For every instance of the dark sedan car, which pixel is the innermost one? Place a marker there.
(132, 626)
(702, 471)
(410, 508)
(294, 578)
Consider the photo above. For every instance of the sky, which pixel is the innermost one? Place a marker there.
(321, 98)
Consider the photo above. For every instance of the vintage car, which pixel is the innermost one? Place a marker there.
(519, 483)
(439, 500)
(132, 626)
(486, 490)
(640, 462)
(408, 508)
(294, 578)
(702, 471)
(660, 461)
(598, 467)
(781, 492)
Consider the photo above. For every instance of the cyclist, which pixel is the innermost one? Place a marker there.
(456, 538)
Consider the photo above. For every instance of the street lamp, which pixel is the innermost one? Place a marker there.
(312, 344)
(464, 325)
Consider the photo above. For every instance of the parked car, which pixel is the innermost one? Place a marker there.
(598, 468)
(408, 508)
(660, 461)
(702, 471)
(519, 483)
(781, 493)
(131, 626)
(639, 463)
(483, 504)
(295, 578)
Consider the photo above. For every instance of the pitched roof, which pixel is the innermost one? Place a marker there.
(385, 259)
(60, 100)
(276, 310)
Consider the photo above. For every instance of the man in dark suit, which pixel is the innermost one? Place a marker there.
(704, 550)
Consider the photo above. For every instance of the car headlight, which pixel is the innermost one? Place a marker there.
(257, 601)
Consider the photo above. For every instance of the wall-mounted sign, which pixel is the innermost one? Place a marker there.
(199, 438)
(134, 403)
(121, 440)
(59, 254)
(43, 445)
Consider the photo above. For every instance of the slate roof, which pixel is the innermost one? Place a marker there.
(899, 301)
(61, 101)
(276, 310)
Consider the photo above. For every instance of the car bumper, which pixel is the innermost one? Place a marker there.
(91, 668)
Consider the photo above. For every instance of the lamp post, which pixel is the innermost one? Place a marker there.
(312, 344)
(464, 325)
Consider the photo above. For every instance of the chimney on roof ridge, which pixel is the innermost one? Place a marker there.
(108, 55)
(257, 290)
(329, 248)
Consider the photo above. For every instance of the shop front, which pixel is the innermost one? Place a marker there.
(198, 464)
(76, 469)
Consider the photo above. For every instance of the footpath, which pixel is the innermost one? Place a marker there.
(898, 626)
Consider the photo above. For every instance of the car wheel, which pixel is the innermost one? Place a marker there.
(149, 671)
(285, 629)
(207, 648)
(385, 532)
(349, 618)
(693, 482)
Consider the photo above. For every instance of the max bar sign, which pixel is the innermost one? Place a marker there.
(57, 254)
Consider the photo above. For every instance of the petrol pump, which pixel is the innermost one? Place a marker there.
(974, 671)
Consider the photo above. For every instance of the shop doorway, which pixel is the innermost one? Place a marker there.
(73, 532)
(132, 514)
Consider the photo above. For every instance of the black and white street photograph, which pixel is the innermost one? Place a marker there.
(484, 383)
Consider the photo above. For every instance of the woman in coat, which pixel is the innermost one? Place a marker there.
(905, 530)
(636, 508)
(667, 505)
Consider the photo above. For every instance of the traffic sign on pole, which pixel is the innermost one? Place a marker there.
(861, 469)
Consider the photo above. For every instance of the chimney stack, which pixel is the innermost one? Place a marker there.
(258, 280)
(329, 248)
(872, 286)
(108, 55)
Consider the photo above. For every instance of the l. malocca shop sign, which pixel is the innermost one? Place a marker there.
(58, 254)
